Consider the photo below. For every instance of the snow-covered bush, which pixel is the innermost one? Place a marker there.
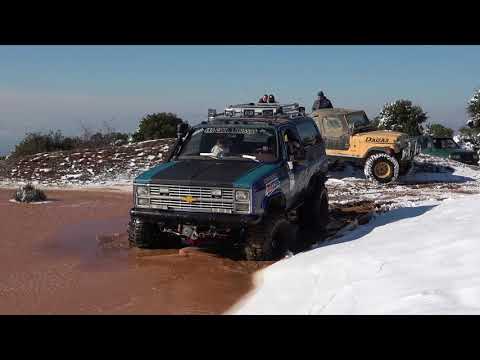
(402, 115)
(28, 193)
(473, 110)
(468, 138)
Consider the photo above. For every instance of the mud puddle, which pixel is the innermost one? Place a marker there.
(98, 244)
(102, 245)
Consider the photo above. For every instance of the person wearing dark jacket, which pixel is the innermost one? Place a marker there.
(271, 99)
(322, 102)
(263, 99)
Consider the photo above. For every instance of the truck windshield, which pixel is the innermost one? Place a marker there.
(232, 142)
(357, 120)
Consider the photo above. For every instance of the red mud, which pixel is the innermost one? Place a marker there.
(71, 256)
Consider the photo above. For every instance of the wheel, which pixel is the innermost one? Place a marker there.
(405, 168)
(270, 240)
(314, 212)
(145, 235)
(382, 168)
(142, 234)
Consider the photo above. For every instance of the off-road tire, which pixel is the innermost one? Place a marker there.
(270, 240)
(381, 168)
(142, 234)
(314, 212)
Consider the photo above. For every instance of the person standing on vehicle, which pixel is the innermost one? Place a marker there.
(263, 99)
(271, 99)
(322, 102)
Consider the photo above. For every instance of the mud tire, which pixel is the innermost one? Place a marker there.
(142, 234)
(385, 161)
(271, 239)
(314, 212)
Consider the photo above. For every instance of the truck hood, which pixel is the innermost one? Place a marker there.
(222, 173)
(382, 136)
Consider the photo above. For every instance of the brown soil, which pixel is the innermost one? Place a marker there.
(71, 256)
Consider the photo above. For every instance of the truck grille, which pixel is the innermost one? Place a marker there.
(201, 197)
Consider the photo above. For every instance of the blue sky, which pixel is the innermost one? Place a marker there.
(63, 87)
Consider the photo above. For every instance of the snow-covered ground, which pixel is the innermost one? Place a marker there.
(432, 178)
(414, 260)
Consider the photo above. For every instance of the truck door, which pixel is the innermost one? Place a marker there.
(295, 168)
(335, 132)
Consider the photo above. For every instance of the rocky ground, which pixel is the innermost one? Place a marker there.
(109, 165)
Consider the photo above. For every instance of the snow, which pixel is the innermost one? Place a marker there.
(432, 178)
(32, 202)
(413, 260)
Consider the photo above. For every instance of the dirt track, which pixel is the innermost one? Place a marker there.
(70, 256)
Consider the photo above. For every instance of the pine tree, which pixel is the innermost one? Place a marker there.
(401, 115)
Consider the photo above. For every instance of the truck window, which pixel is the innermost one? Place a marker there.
(333, 126)
(358, 119)
(308, 133)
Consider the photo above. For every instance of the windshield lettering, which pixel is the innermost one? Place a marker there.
(235, 143)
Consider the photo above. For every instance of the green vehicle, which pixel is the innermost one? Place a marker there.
(447, 148)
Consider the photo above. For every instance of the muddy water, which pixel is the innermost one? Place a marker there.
(71, 256)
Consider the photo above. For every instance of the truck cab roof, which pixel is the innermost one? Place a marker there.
(335, 111)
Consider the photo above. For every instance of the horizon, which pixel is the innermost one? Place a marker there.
(63, 88)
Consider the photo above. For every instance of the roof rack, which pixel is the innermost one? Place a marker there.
(252, 110)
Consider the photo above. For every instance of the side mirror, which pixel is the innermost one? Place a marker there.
(182, 130)
(298, 152)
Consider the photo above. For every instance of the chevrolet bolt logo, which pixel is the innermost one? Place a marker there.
(188, 199)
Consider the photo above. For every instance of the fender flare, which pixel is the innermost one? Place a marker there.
(379, 149)
(276, 201)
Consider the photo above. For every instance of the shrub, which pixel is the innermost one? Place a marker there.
(402, 115)
(473, 110)
(37, 142)
(438, 130)
(157, 126)
(28, 193)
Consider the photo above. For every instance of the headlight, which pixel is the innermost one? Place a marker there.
(242, 195)
(143, 201)
(143, 191)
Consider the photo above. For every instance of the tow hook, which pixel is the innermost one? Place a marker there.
(190, 234)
